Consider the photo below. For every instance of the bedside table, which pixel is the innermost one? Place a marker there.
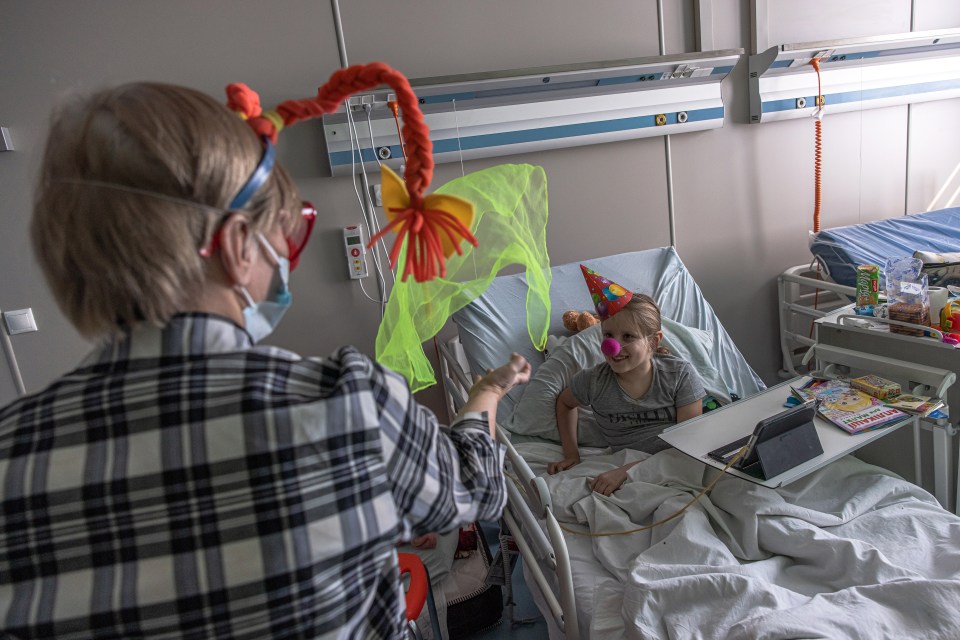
(721, 426)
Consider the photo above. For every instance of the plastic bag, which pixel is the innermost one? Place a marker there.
(908, 295)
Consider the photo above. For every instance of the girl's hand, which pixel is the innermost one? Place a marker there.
(563, 465)
(607, 483)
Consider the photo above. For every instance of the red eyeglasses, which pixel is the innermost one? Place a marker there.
(298, 241)
(295, 243)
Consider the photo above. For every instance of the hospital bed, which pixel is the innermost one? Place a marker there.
(833, 550)
(811, 291)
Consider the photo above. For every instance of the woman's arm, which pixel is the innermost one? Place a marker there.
(487, 392)
(439, 478)
(567, 412)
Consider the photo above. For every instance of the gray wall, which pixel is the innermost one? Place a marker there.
(744, 194)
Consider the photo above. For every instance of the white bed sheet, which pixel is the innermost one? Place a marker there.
(821, 558)
(589, 578)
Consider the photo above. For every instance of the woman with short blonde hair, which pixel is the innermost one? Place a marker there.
(184, 481)
(132, 189)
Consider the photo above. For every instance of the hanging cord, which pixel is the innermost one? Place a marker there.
(373, 213)
(395, 108)
(463, 172)
(676, 514)
(817, 173)
(456, 121)
(366, 208)
(368, 211)
(818, 151)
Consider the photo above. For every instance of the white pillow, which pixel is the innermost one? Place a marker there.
(535, 413)
(929, 257)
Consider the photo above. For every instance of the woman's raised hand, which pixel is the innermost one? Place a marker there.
(504, 378)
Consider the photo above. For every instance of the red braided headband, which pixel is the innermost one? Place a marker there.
(432, 232)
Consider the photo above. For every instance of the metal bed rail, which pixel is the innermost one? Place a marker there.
(804, 296)
(529, 512)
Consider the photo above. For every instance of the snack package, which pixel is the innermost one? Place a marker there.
(874, 385)
(908, 296)
(868, 285)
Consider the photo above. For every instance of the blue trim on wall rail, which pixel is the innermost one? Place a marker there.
(772, 106)
(866, 55)
(340, 158)
(638, 79)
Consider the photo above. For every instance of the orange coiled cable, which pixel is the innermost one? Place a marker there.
(817, 172)
(395, 108)
(818, 152)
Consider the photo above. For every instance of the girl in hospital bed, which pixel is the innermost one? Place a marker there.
(636, 392)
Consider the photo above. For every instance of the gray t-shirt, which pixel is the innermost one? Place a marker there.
(627, 423)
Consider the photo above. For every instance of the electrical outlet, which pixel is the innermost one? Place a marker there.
(19, 321)
(377, 195)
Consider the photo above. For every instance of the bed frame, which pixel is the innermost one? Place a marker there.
(805, 294)
(528, 523)
(546, 555)
(808, 292)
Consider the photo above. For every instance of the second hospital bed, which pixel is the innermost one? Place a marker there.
(849, 551)
(807, 292)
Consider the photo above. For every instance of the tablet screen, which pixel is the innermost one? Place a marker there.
(775, 426)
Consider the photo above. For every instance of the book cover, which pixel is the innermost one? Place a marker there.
(920, 405)
(850, 409)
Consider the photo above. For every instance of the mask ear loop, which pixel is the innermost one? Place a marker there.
(424, 228)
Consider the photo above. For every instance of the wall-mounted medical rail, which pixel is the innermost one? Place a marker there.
(502, 113)
(855, 74)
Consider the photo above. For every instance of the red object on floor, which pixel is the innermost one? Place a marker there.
(417, 593)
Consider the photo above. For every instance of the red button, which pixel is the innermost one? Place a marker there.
(354, 252)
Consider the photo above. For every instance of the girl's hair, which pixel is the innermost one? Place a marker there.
(645, 312)
(114, 257)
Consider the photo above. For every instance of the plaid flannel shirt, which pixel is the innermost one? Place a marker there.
(182, 483)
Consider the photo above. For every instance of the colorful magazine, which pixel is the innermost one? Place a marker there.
(850, 409)
(920, 405)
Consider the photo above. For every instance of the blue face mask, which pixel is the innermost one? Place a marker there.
(261, 318)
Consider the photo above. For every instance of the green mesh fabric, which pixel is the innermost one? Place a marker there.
(510, 225)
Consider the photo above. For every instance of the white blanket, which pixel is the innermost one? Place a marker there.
(851, 551)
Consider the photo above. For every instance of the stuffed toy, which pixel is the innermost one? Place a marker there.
(574, 321)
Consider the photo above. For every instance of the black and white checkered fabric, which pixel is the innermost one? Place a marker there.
(182, 483)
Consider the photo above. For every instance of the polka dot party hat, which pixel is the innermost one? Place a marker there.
(608, 297)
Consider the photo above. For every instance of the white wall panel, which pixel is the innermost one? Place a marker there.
(934, 156)
(811, 20)
(743, 194)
